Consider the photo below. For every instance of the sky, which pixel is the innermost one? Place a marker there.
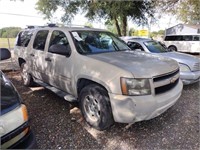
(22, 13)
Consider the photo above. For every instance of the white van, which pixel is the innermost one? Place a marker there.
(183, 43)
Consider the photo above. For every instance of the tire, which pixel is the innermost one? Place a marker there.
(95, 107)
(172, 48)
(26, 77)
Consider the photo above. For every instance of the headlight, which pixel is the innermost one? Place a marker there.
(135, 86)
(184, 68)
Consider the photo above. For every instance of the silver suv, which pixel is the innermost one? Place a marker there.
(97, 69)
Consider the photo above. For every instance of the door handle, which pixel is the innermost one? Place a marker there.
(48, 59)
(32, 55)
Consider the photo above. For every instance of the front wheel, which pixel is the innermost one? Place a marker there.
(26, 77)
(95, 106)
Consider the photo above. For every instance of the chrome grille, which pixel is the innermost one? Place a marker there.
(196, 67)
(166, 76)
(165, 82)
(165, 88)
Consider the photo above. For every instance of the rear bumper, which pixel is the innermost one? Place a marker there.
(130, 109)
(190, 77)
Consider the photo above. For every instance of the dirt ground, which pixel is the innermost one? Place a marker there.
(58, 124)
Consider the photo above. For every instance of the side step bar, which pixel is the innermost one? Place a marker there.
(66, 96)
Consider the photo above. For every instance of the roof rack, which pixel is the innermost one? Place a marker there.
(32, 27)
(48, 25)
(54, 25)
(75, 25)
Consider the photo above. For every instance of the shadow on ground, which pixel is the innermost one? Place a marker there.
(58, 124)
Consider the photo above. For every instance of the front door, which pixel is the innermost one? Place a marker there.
(59, 65)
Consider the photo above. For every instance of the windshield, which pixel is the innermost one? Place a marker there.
(9, 97)
(155, 47)
(92, 42)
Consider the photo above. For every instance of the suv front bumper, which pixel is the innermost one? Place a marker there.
(130, 109)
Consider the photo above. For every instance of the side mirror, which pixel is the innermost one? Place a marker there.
(60, 49)
(4, 53)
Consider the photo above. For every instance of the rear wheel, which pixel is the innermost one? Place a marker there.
(26, 77)
(95, 106)
(172, 48)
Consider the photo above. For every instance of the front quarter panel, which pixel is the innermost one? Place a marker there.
(101, 72)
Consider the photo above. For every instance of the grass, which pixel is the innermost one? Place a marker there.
(4, 42)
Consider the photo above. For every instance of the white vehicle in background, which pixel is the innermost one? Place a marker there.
(183, 43)
(183, 38)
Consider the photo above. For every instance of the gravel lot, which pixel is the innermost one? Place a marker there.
(58, 124)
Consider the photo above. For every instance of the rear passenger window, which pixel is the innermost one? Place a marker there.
(196, 38)
(24, 38)
(187, 38)
(40, 40)
(170, 38)
(178, 38)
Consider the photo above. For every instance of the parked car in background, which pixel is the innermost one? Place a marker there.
(15, 131)
(189, 65)
(94, 67)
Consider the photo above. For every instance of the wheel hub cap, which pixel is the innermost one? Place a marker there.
(92, 108)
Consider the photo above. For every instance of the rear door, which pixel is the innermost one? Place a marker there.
(37, 55)
(21, 44)
(59, 65)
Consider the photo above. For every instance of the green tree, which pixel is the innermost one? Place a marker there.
(110, 26)
(116, 11)
(9, 32)
(131, 31)
(88, 24)
(187, 11)
(157, 33)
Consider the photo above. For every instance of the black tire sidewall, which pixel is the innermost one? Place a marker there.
(173, 48)
(106, 118)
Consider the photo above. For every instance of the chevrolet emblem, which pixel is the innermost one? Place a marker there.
(173, 79)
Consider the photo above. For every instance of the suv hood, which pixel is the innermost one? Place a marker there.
(141, 65)
(182, 58)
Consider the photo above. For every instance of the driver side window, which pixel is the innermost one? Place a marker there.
(59, 43)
